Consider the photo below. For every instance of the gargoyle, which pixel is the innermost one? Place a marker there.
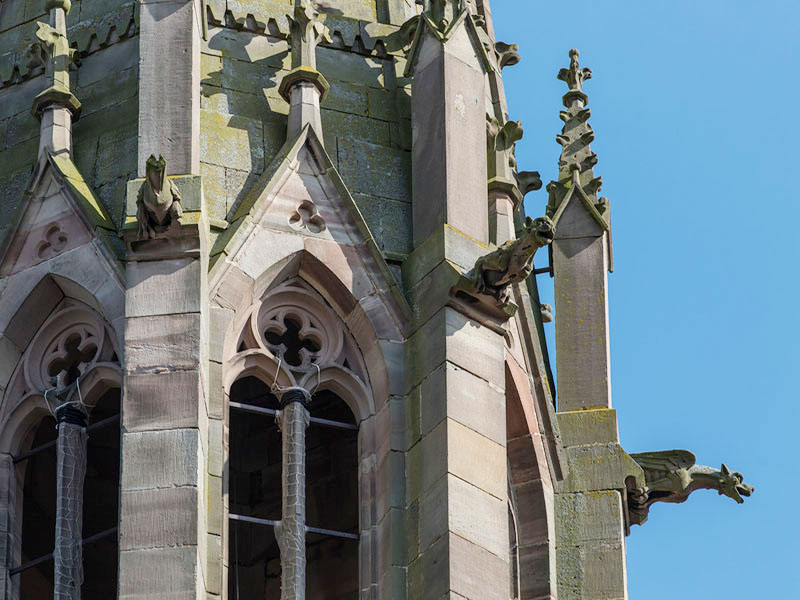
(157, 208)
(513, 261)
(672, 475)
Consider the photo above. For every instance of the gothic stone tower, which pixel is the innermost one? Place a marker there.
(269, 326)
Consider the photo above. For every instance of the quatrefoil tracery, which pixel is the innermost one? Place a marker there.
(293, 337)
(70, 357)
(70, 344)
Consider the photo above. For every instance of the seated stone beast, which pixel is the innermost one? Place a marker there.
(513, 261)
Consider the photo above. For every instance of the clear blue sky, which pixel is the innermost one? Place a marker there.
(693, 110)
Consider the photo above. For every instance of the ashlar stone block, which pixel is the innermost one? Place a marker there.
(158, 518)
(157, 459)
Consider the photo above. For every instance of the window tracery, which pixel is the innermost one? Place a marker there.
(299, 349)
(70, 367)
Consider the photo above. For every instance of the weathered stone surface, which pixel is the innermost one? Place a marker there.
(163, 287)
(158, 518)
(162, 343)
(598, 467)
(579, 428)
(168, 400)
(464, 343)
(160, 459)
(449, 139)
(169, 122)
(589, 517)
(159, 573)
(581, 323)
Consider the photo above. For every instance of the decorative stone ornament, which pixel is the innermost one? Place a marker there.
(507, 55)
(672, 475)
(487, 287)
(159, 201)
(576, 180)
(513, 261)
(52, 51)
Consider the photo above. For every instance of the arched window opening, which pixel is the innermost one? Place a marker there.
(101, 500)
(256, 491)
(38, 514)
(100, 509)
(254, 475)
(332, 501)
(67, 470)
(256, 495)
(298, 392)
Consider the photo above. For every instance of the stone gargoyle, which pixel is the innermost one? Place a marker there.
(672, 475)
(512, 262)
(158, 204)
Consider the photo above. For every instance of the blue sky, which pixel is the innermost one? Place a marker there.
(693, 111)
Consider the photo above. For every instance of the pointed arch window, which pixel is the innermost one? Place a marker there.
(293, 497)
(66, 468)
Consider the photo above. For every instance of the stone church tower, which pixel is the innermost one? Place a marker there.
(269, 321)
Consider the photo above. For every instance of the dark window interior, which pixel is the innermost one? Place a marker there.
(100, 507)
(255, 490)
(101, 502)
(39, 514)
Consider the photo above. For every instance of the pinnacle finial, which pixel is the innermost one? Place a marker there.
(574, 76)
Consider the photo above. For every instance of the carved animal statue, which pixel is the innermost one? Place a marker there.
(157, 208)
(513, 261)
(672, 475)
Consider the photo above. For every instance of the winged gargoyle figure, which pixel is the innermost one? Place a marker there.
(158, 204)
(672, 475)
(513, 261)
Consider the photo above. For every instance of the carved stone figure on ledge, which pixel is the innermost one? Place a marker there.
(513, 261)
(672, 475)
(158, 204)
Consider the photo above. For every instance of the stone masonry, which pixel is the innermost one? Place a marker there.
(287, 238)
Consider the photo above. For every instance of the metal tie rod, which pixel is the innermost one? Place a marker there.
(43, 447)
(270, 523)
(41, 559)
(271, 412)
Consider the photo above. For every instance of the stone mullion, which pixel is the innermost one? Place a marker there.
(70, 472)
(293, 420)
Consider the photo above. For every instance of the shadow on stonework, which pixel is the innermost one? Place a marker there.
(243, 118)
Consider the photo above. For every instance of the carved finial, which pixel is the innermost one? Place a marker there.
(574, 76)
(576, 180)
(51, 50)
(307, 31)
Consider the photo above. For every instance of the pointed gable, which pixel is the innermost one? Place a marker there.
(59, 212)
(302, 204)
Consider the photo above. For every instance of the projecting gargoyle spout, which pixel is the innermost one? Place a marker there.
(513, 261)
(672, 475)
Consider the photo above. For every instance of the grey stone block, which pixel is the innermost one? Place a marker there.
(162, 343)
(158, 518)
(159, 573)
(163, 287)
(589, 517)
(160, 459)
(161, 400)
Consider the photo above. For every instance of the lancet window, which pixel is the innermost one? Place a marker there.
(66, 459)
(293, 504)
